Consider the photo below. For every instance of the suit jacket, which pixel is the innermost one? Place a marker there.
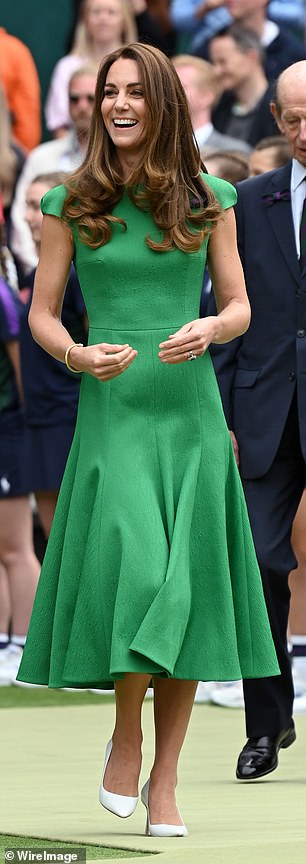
(259, 371)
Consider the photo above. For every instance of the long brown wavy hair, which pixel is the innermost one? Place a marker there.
(168, 171)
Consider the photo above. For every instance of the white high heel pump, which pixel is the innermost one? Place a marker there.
(162, 830)
(120, 805)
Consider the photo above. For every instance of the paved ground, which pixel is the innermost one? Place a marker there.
(51, 762)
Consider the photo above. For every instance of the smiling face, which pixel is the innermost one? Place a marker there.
(124, 109)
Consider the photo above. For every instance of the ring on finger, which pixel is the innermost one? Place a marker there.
(191, 355)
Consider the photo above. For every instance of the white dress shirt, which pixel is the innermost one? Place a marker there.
(298, 194)
(202, 134)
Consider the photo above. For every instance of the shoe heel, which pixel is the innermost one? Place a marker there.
(159, 830)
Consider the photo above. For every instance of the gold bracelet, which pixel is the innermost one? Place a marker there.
(74, 345)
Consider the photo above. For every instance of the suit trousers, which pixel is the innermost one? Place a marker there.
(272, 502)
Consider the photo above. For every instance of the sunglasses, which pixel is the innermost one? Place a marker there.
(77, 97)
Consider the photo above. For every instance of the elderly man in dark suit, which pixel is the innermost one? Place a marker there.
(262, 379)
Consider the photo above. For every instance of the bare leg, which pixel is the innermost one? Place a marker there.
(173, 701)
(46, 503)
(123, 769)
(18, 557)
(297, 580)
(5, 601)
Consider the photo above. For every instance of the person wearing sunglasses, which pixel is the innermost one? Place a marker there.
(64, 154)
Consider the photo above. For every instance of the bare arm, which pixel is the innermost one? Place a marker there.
(231, 298)
(103, 361)
(227, 278)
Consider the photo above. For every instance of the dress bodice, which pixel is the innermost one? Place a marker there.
(127, 285)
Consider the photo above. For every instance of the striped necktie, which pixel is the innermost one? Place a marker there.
(303, 238)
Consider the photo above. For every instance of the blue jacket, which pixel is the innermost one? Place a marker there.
(182, 13)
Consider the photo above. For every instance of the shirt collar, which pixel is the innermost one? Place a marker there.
(270, 32)
(202, 133)
(298, 174)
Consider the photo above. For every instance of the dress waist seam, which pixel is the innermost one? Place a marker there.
(137, 329)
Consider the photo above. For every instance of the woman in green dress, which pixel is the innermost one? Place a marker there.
(150, 571)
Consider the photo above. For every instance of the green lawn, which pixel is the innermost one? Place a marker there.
(27, 697)
(11, 841)
(40, 697)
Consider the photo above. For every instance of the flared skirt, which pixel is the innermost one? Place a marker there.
(150, 566)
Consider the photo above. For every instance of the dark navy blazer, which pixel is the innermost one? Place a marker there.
(259, 371)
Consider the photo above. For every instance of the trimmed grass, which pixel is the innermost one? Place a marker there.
(42, 697)
(12, 841)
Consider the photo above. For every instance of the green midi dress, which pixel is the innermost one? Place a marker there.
(150, 566)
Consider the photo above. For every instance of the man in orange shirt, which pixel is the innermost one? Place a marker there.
(22, 90)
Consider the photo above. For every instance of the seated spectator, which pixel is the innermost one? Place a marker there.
(51, 392)
(198, 20)
(20, 82)
(19, 567)
(232, 167)
(202, 87)
(281, 47)
(244, 108)
(268, 154)
(66, 154)
(11, 162)
(103, 26)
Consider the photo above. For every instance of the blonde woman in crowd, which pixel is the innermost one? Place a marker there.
(103, 26)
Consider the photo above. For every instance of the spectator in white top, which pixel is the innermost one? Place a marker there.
(104, 25)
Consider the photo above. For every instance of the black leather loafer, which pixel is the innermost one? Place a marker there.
(260, 755)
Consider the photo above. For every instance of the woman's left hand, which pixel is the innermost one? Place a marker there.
(192, 340)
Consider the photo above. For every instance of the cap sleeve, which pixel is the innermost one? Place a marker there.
(225, 193)
(52, 202)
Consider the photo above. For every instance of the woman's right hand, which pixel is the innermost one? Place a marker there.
(103, 361)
